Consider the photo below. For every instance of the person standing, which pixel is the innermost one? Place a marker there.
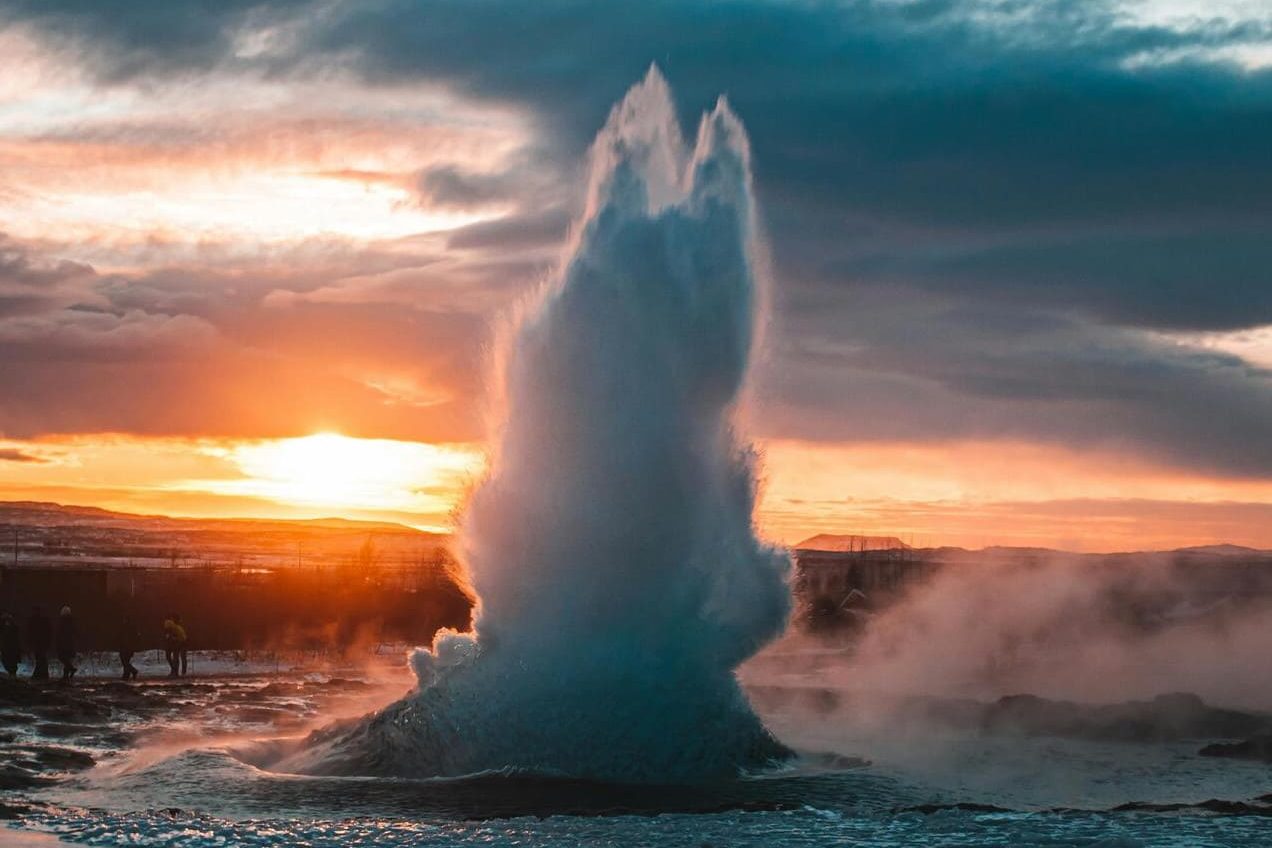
(128, 639)
(40, 637)
(174, 637)
(66, 644)
(10, 644)
(183, 646)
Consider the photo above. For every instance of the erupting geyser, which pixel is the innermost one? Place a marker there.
(611, 545)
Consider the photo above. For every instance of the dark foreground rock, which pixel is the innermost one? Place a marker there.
(53, 758)
(1258, 748)
(13, 776)
(1258, 807)
(12, 811)
(962, 807)
(50, 700)
(33, 766)
(1165, 718)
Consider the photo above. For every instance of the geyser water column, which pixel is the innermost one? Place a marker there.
(611, 545)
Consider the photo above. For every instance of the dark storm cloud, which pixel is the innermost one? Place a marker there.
(130, 38)
(950, 117)
(1203, 279)
(915, 117)
(451, 186)
(890, 363)
(976, 209)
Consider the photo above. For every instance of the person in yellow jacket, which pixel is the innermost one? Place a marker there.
(174, 645)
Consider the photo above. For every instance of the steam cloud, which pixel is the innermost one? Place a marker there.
(1066, 630)
(612, 548)
(1062, 627)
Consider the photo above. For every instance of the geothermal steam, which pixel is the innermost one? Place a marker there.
(620, 581)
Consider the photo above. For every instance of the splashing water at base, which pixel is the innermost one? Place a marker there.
(612, 546)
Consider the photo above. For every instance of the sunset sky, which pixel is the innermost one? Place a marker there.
(252, 254)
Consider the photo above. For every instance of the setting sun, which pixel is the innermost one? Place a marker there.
(340, 472)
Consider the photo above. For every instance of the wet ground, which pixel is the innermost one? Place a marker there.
(50, 732)
(167, 763)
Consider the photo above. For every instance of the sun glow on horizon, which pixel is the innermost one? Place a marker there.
(960, 493)
(334, 471)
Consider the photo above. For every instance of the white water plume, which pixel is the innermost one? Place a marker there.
(611, 546)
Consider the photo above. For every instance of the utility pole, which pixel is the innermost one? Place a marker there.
(15, 546)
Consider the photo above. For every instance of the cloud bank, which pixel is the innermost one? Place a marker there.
(988, 221)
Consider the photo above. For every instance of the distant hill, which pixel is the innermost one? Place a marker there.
(844, 543)
(1221, 550)
(57, 534)
(55, 514)
(847, 543)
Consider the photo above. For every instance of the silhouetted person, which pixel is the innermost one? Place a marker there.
(183, 646)
(39, 637)
(128, 639)
(174, 639)
(66, 644)
(10, 644)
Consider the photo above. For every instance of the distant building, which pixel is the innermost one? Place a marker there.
(840, 543)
